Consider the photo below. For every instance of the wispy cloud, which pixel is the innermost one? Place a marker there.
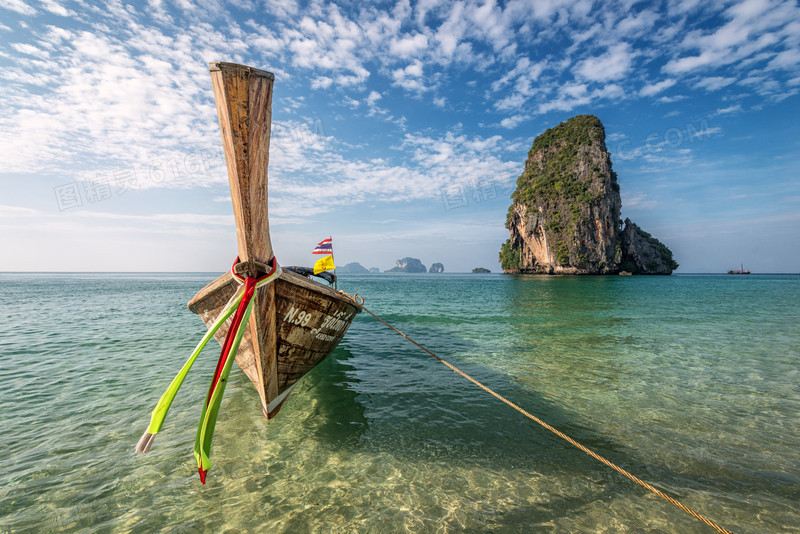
(714, 83)
(653, 89)
(19, 6)
(637, 201)
(752, 27)
(730, 109)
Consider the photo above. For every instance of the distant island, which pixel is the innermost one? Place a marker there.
(352, 268)
(480, 270)
(436, 268)
(356, 268)
(565, 211)
(408, 265)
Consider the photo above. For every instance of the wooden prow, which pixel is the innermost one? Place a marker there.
(244, 106)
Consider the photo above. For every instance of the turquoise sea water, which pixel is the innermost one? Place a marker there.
(690, 382)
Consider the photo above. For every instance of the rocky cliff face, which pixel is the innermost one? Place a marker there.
(408, 265)
(644, 254)
(436, 268)
(565, 213)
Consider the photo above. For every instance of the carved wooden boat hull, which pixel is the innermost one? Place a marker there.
(296, 322)
(310, 321)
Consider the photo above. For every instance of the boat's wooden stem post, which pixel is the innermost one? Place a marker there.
(244, 105)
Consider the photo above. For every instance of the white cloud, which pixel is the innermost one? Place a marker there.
(332, 44)
(18, 211)
(373, 97)
(283, 8)
(513, 101)
(636, 24)
(192, 219)
(752, 26)
(491, 25)
(54, 7)
(730, 109)
(636, 201)
(655, 88)
(104, 107)
(435, 162)
(523, 77)
(672, 99)
(30, 50)
(410, 77)
(19, 6)
(714, 83)
(788, 59)
(512, 122)
(322, 82)
(407, 47)
(158, 12)
(374, 109)
(451, 31)
(571, 96)
(612, 65)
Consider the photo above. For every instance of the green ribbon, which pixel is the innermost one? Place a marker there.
(160, 411)
(208, 418)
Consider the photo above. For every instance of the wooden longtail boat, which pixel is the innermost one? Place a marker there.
(296, 322)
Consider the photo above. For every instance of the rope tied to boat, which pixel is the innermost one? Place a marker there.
(240, 306)
(552, 429)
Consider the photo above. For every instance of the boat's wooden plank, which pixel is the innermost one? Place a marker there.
(259, 131)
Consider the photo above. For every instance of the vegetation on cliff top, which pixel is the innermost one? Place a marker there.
(556, 177)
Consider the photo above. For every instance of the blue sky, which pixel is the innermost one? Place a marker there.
(399, 128)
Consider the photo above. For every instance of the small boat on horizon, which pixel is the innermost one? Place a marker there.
(740, 270)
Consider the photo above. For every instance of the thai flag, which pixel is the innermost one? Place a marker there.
(324, 247)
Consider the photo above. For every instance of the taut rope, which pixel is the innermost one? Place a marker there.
(555, 431)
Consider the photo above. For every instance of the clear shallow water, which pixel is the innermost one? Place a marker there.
(690, 382)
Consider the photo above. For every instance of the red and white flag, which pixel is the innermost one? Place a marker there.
(324, 247)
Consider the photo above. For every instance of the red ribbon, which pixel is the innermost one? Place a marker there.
(250, 284)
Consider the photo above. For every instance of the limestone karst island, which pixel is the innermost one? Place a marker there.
(565, 212)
